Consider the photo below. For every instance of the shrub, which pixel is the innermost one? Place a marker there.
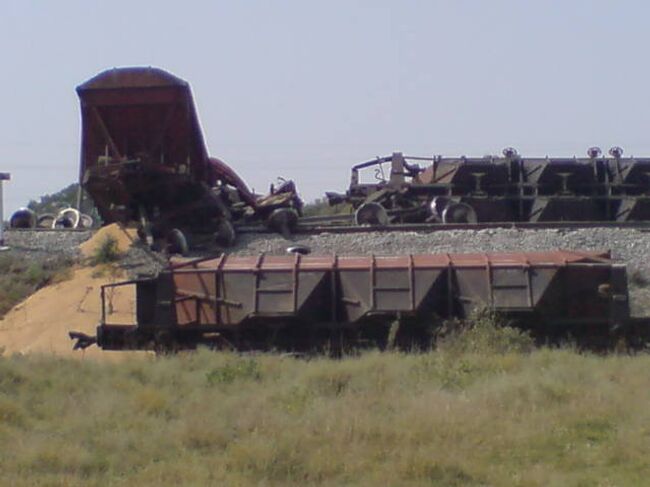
(320, 207)
(485, 332)
(106, 252)
(237, 369)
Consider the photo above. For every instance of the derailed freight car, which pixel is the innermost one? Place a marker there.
(309, 302)
(144, 161)
(512, 188)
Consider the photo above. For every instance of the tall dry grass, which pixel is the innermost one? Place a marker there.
(462, 415)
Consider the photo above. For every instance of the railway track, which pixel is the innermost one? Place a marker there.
(343, 225)
(316, 225)
(53, 230)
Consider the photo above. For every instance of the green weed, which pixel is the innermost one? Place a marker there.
(20, 278)
(485, 332)
(106, 252)
(237, 369)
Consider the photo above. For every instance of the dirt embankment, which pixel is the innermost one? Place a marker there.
(41, 323)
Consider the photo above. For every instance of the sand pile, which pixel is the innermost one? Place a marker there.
(41, 323)
(123, 236)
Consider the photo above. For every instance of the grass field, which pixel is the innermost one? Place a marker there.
(20, 277)
(482, 414)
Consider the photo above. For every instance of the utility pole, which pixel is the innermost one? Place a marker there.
(4, 176)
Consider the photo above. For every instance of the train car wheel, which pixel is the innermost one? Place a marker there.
(177, 242)
(459, 213)
(283, 220)
(371, 214)
(67, 218)
(23, 218)
(45, 221)
(225, 234)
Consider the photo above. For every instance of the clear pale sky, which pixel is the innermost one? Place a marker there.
(305, 89)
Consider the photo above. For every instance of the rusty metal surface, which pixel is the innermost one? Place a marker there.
(257, 295)
(142, 146)
(330, 262)
(141, 113)
(144, 161)
(271, 285)
(503, 189)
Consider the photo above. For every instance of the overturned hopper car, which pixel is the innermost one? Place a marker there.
(397, 189)
(309, 302)
(144, 161)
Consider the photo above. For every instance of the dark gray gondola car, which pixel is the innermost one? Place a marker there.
(303, 302)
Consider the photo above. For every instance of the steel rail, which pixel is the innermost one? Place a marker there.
(303, 228)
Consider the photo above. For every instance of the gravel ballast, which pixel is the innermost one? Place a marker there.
(629, 246)
(46, 243)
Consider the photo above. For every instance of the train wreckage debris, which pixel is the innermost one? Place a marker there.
(144, 162)
(396, 189)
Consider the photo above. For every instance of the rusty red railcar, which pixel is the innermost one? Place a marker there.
(301, 302)
(144, 159)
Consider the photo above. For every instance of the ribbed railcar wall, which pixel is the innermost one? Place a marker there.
(231, 290)
(245, 301)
